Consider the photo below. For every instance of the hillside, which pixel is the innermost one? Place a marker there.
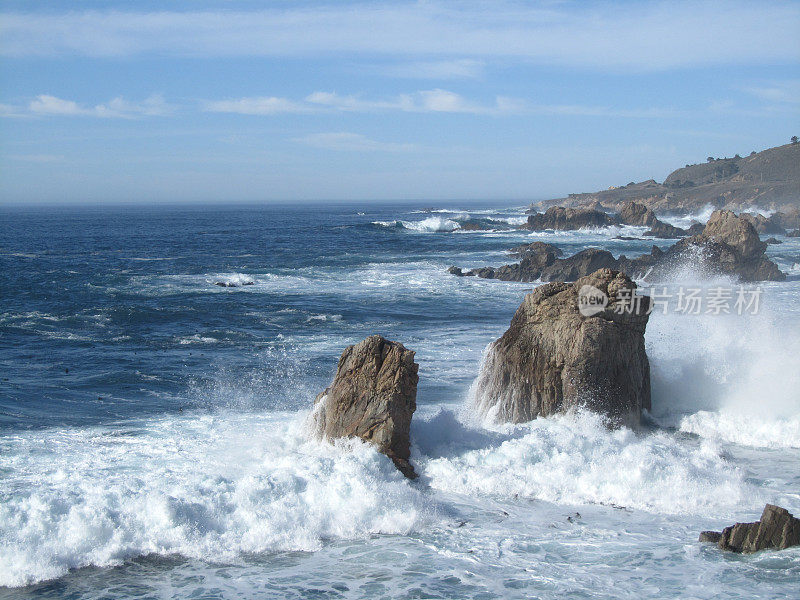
(768, 180)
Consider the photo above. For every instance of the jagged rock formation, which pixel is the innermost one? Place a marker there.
(731, 245)
(373, 397)
(565, 219)
(777, 529)
(727, 245)
(553, 358)
(767, 180)
(639, 215)
(764, 224)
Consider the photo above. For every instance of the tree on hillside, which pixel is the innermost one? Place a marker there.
(794, 139)
(710, 159)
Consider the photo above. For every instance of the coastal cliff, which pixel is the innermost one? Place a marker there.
(767, 180)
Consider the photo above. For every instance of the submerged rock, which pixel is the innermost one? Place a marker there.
(553, 357)
(233, 284)
(778, 529)
(372, 397)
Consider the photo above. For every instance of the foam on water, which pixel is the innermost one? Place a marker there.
(429, 225)
(209, 487)
(576, 459)
(232, 279)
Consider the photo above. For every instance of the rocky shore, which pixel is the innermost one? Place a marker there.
(728, 244)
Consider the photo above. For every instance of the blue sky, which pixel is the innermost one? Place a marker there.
(431, 100)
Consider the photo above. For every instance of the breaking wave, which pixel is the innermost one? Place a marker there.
(210, 487)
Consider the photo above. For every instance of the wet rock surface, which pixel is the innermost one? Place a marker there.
(777, 529)
(554, 358)
(372, 397)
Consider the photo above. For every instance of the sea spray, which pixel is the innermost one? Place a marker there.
(732, 377)
(576, 459)
(206, 487)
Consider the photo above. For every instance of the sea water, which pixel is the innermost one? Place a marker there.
(152, 422)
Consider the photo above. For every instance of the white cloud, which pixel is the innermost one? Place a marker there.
(353, 142)
(426, 101)
(645, 36)
(6, 110)
(50, 105)
(441, 69)
(46, 105)
(780, 92)
(258, 106)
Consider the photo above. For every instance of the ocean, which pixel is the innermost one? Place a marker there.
(153, 439)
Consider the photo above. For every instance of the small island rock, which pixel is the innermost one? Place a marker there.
(372, 397)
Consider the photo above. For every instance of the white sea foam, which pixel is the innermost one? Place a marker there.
(203, 487)
(745, 428)
(197, 339)
(429, 225)
(232, 279)
(576, 459)
(685, 221)
(323, 318)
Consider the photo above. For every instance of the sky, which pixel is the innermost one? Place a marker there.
(245, 101)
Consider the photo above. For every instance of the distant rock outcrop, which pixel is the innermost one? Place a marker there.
(764, 224)
(535, 248)
(633, 213)
(639, 215)
(372, 397)
(556, 355)
(565, 219)
(778, 529)
(727, 245)
(766, 180)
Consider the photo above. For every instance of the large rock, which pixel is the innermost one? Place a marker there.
(731, 245)
(777, 529)
(553, 357)
(633, 213)
(565, 219)
(762, 224)
(372, 397)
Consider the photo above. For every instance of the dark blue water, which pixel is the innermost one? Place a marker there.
(111, 312)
